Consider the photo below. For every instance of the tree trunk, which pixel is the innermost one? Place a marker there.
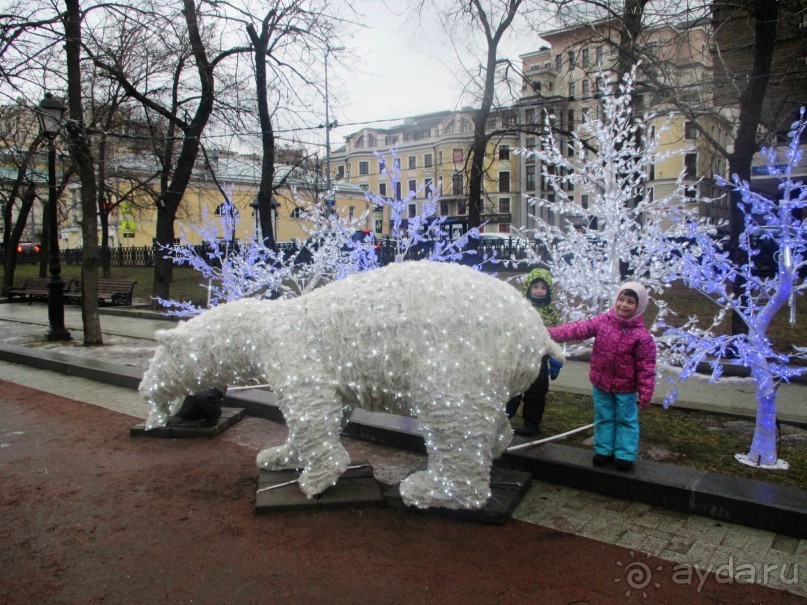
(481, 137)
(13, 236)
(265, 206)
(103, 212)
(82, 157)
(765, 14)
(171, 198)
(764, 443)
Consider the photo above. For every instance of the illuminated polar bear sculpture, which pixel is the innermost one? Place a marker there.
(442, 342)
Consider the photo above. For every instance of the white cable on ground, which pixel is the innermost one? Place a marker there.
(522, 446)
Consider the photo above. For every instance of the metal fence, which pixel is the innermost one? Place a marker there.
(143, 256)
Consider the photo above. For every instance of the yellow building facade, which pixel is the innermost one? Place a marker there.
(431, 153)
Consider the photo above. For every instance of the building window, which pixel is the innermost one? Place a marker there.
(457, 156)
(428, 187)
(351, 210)
(296, 213)
(691, 165)
(364, 186)
(690, 132)
(571, 60)
(651, 172)
(382, 189)
(413, 210)
(226, 209)
(558, 62)
(466, 126)
(461, 207)
(529, 172)
(504, 152)
(598, 55)
(412, 162)
(381, 166)
(584, 58)
(584, 201)
(360, 141)
(571, 90)
(529, 116)
(427, 160)
(371, 140)
(585, 88)
(443, 208)
(456, 184)
(439, 158)
(413, 186)
(504, 182)
(570, 120)
(364, 168)
(398, 191)
(504, 205)
(340, 172)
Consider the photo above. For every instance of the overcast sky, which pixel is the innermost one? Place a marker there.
(398, 72)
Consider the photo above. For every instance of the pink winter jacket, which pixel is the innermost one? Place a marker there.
(623, 359)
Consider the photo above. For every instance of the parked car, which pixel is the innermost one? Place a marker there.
(313, 244)
(28, 252)
(27, 247)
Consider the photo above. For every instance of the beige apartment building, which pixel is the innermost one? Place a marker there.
(432, 153)
(565, 77)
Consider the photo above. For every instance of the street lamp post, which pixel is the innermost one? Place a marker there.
(328, 50)
(49, 113)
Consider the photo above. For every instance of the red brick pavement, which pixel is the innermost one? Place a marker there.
(90, 515)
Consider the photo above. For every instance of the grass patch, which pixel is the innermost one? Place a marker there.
(691, 438)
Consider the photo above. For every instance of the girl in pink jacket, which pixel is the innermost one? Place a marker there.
(623, 368)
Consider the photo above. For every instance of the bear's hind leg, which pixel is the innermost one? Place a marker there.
(460, 457)
(504, 434)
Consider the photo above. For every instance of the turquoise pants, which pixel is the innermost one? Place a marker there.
(616, 425)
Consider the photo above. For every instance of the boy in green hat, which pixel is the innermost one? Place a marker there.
(538, 289)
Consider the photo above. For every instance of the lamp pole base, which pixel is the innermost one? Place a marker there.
(57, 330)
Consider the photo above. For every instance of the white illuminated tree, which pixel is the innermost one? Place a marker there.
(622, 230)
(770, 222)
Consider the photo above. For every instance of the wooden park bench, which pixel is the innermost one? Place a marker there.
(33, 288)
(111, 292)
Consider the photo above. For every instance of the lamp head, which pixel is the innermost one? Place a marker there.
(49, 112)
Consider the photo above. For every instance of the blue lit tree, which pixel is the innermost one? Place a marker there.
(329, 251)
(773, 223)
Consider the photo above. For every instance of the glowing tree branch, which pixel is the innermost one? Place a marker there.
(770, 223)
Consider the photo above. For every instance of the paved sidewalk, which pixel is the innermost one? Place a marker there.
(687, 545)
(730, 395)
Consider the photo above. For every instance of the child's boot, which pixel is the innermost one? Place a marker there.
(528, 430)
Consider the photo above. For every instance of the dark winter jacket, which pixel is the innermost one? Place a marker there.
(623, 359)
